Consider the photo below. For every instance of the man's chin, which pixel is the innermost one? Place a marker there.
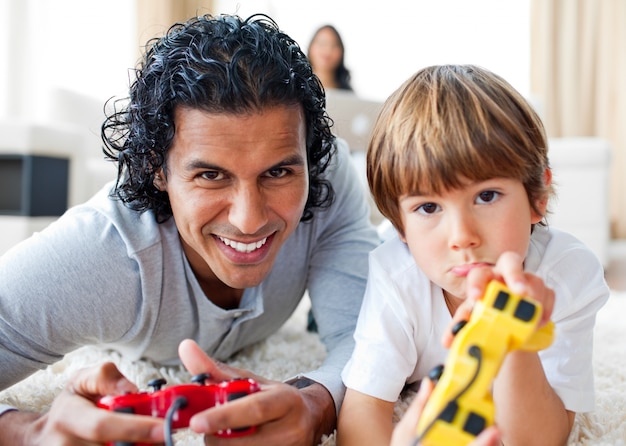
(246, 277)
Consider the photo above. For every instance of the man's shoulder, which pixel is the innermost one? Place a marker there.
(107, 217)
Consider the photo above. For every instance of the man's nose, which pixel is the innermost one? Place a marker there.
(248, 209)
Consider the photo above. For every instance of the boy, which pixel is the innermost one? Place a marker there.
(458, 163)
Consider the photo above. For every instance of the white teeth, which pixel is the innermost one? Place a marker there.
(243, 247)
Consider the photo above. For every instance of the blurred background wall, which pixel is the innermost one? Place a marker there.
(566, 56)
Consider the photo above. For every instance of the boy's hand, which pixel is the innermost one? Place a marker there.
(404, 432)
(509, 269)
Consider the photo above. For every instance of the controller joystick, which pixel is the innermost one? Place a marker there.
(201, 378)
(156, 384)
(177, 404)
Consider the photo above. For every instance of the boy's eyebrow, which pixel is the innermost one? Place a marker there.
(418, 192)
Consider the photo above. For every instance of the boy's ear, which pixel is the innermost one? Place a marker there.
(542, 203)
(401, 235)
(547, 176)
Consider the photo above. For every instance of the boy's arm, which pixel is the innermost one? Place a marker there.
(526, 403)
(364, 419)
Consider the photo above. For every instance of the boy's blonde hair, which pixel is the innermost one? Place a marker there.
(449, 123)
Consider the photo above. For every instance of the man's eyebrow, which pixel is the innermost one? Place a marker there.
(199, 164)
(293, 160)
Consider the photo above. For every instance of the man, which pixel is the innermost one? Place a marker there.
(232, 199)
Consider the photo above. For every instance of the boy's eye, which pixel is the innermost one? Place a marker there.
(487, 196)
(427, 208)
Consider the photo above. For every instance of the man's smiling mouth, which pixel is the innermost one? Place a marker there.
(243, 247)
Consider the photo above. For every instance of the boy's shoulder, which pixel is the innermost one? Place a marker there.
(551, 246)
(393, 257)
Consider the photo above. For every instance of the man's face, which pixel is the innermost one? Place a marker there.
(238, 184)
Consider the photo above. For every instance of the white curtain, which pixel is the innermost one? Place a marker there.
(578, 73)
(154, 17)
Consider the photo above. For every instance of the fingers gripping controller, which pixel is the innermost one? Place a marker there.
(461, 405)
(177, 404)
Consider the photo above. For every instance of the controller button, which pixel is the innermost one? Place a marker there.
(435, 373)
(474, 424)
(458, 326)
(235, 395)
(449, 412)
(156, 383)
(201, 378)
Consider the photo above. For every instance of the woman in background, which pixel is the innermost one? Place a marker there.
(326, 53)
(326, 57)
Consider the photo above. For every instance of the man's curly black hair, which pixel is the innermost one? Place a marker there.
(220, 64)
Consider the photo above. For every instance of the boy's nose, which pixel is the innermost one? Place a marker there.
(463, 232)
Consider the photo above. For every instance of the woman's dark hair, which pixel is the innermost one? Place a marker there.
(342, 74)
(217, 64)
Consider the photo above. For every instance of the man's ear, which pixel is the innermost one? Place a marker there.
(159, 180)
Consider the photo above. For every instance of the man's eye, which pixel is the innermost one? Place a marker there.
(212, 175)
(427, 208)
(277, 172)
(487, 196)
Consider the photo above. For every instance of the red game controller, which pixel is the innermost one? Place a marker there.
(177, 404)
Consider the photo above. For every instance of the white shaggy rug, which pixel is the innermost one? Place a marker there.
(293, 350)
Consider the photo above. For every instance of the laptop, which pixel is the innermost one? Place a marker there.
(353, 117)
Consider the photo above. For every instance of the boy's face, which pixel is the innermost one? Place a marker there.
(450, 233)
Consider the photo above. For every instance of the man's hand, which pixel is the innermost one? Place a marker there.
(75, 419)
(404, 432)
(282, 414)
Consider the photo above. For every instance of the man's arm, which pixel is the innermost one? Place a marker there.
(15, 427)
(338, 270)
(74, 415)
(322, 409)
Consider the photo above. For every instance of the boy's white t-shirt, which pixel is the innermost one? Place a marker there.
(404, 316)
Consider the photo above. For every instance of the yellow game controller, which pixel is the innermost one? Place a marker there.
(461, 405)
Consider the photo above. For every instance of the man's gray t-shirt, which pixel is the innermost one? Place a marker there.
(106, 275)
